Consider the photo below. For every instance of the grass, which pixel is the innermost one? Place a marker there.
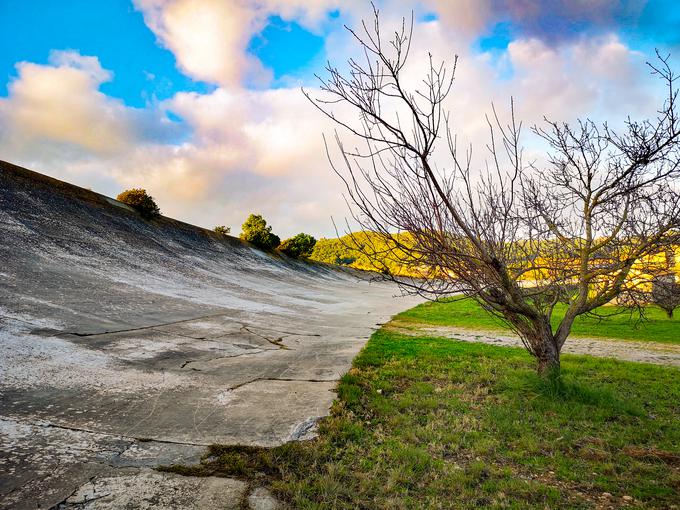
(466, 313)
(429, 423)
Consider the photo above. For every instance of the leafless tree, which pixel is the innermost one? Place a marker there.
(663, 290)
(666, 293)
(518, 238)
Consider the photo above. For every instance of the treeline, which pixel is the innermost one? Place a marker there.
(254, 230)
(361, 250)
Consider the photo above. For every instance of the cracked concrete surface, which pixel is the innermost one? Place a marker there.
(126, 344)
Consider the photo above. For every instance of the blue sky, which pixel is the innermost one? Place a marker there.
(199, 100)
(115, 32)
(110, 29)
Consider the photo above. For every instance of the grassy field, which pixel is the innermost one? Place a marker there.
(619, 324)
(429, 423)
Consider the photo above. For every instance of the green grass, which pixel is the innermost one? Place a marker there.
(619, 324)
(428, 423)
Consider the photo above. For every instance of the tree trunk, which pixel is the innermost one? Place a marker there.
(669, 313)
(549, 362)
(546, 349)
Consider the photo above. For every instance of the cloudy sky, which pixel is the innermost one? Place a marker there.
(199, 101)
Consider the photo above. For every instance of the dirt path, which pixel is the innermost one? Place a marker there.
(644, 352)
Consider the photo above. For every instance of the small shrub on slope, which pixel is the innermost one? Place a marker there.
(256, 231)
(298, 246)
(139, 199)
(222, 230)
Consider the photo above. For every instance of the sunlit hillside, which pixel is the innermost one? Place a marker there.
(371, 252)
(368, 252)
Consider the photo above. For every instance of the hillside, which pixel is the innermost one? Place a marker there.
(351, 250)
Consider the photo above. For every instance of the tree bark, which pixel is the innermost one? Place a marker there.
(549, 363)
(546, 349)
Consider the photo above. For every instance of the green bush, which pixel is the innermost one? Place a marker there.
(301, 245)
(222, 230)
(256, 231)
(139, 199)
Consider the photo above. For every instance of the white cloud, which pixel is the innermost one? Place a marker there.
(61, 102)
(208, 37)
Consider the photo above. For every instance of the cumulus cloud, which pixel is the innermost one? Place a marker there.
(59, 107)
(252, 150)
(61, 102)
(209, 38)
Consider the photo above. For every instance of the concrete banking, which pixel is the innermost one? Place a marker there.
(127, 343)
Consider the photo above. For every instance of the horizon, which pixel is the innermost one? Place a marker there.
(199, 102)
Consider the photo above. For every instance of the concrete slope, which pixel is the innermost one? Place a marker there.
(126, 343)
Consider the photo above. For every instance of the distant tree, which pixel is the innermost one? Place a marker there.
(298, 246)
(221, 229)
(665, 289)
(139, 199)
(666, 293)
(256, 231)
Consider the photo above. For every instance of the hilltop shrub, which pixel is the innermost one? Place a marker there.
(301, 245)
(222, 230)
(140, 200)
(256, 231)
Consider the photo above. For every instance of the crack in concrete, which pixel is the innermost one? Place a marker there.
(287, 333)
(278, 342)
(240, 385)
(81, 504)
(109, 435)
(227, 356)
(21, 487)
(141, 328)
(180, 334)
(63, 502)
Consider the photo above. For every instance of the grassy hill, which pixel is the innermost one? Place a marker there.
(366, 251)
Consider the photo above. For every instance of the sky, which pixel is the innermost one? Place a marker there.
(199, 101)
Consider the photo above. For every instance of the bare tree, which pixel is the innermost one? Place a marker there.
(517, 238)
(666, 293)
(665, 290)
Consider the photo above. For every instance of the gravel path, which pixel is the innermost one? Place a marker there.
(644, 352)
